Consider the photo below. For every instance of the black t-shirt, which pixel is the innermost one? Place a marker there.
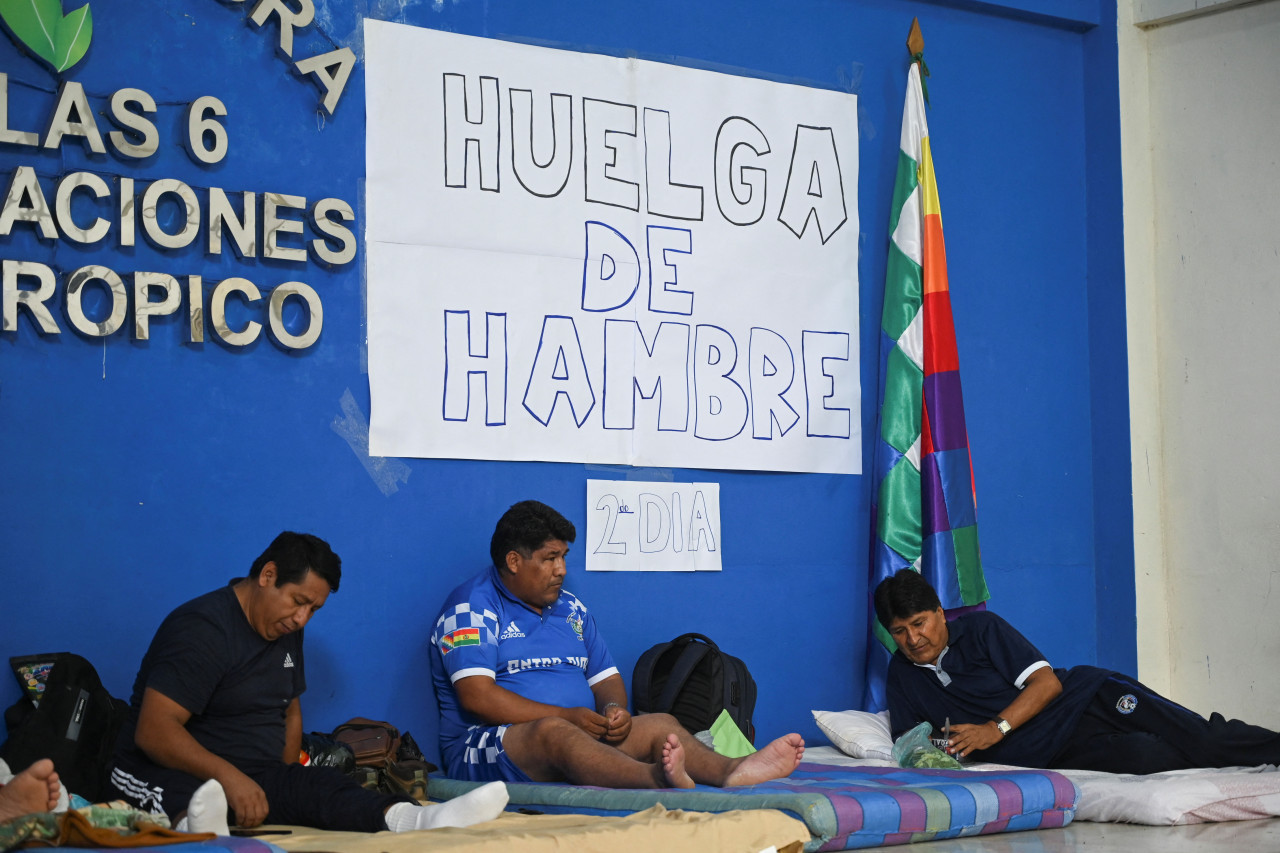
(987, 661)
(237, 685)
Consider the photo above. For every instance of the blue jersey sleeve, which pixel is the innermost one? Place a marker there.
(600, 663)
(466, 639)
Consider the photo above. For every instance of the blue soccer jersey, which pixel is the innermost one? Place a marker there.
(554, 658)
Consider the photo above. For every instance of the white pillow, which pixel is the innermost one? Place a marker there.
(857, 733)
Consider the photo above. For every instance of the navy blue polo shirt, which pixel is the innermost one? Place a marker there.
(983, 669)
(207, 657)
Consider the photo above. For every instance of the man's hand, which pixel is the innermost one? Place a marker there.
(588, 720)
(1040, 688)
(163, 736)
(245, 797)
(966, 737)
(618, 720)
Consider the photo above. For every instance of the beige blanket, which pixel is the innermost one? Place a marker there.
(655, 829)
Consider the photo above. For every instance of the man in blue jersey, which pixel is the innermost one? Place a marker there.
(528, 690)
(1006, 704)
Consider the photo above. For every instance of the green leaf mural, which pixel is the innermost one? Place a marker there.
(61, 40)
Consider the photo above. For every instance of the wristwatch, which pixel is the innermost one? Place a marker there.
(1003, 725)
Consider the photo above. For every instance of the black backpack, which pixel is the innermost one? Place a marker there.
(75, 723)
(691, 679)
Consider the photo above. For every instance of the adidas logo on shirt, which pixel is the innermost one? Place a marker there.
(512, 632)
(288, 661)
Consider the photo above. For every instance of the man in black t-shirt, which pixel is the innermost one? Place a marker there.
(1006, 704)
(215, 721)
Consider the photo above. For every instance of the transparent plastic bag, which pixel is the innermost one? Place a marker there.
(913, 749)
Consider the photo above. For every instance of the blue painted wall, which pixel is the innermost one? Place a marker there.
(138, 474)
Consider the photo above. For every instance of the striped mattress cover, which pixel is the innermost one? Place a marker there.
(221, 844)
(844, 808)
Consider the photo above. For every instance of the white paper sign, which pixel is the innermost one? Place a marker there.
(653, 527)
(578, 258)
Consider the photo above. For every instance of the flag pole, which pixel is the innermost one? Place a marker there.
(923, 501)
(915, 47)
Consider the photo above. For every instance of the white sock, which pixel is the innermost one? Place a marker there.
(484, 803)
(207, 811)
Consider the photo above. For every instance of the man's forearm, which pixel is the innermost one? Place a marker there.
(611, 703)
(162, 734)
(172, 746)
(1041, 688)
(293, 732)
(482, 697)
(610, 691)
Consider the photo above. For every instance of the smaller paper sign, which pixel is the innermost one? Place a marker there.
(652, 527)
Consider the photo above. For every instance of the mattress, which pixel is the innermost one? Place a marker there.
(844, 808)
(1172, 798)
(221, 844)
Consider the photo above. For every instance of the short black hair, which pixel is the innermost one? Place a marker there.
(524, 528)
(902, 595)
(297, 553)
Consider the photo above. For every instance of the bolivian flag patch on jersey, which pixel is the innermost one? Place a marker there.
(460, 637)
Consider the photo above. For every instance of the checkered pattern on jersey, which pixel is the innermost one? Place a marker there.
(461, 617)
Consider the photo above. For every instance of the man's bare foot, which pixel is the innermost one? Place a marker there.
(775, 761)
(673, 764)
(33, 790)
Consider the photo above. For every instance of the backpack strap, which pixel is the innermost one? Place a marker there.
(702, 638)
(690, 656)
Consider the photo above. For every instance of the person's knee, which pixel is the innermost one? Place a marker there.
(649, 732)
(544, 749)
(664, 723)
(550, 734)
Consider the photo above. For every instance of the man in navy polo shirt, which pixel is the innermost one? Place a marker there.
(1007, 705)
(214, 729)
(528, 690)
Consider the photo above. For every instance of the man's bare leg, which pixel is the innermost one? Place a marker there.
(555, 750)
(707, 767)
(33, 790)
(775, 761)
(658, 753)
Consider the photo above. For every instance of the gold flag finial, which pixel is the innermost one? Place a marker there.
(915, 39)
(915, 46)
